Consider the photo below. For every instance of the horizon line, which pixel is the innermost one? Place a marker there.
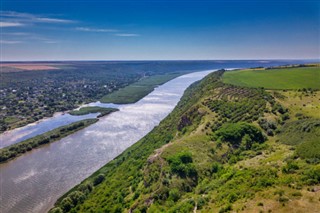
(140, 60)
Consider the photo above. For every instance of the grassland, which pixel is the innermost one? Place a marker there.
(208, 155)
(134, 92)
(15, 150)
(284, 78)
(87, 110)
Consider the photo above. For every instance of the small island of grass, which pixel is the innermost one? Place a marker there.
(93, 109)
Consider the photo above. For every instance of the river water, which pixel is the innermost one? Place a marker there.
(34, 181)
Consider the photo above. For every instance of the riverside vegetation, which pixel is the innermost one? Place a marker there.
(223, 148)
(15, 150)
(28, 96)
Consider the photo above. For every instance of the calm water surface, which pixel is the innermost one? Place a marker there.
(33, 182)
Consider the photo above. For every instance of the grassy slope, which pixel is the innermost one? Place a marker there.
(285, 78)
(134, 92)
(216, 177)
(86, 110)
(15, 150)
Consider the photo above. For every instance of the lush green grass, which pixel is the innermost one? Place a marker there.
(94, 109)
(296, 132)
(310, 149)
(15, 150)
(305, 134)
(134, 92)
(286, 78)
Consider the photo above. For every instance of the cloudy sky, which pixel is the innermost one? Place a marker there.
(159, 29)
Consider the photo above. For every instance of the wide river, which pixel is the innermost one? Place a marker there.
(34, 181)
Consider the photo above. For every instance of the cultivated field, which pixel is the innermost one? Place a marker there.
(20, 67)
(284, 78)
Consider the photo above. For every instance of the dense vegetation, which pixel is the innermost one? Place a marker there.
(284, 78)
(15, 150)
(223, 148)
(28, 96)
(86, 110)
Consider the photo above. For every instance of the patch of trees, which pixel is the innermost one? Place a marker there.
(182, 165)
(240, 135)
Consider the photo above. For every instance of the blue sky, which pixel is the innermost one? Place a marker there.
(158, 29)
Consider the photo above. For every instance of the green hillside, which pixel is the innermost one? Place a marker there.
(223, 148)
(282, 78)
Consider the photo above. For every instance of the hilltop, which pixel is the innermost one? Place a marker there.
(224, 148)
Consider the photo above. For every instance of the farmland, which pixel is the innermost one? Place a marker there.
(283, 78)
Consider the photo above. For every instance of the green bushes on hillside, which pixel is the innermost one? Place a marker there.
(240, 134)
(181, 164)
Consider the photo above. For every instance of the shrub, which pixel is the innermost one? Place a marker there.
(227, 208)
(66, 204)
(56, 210)
(77, 197)
(97, 180)
(296, 194)
(182, 165)
(235, 133)
(312, 176)
(174, 195)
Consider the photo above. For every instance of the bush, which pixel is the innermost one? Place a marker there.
(238, 133)
(77, 197)
(174, 195)
(309, 149)
(182, 165)
(97, 180)
(66, 204)
(296, 194)
(312, 176)
(290, 168)
(227, 208)
(56, 210)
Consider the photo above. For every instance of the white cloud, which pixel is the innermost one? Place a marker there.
(54, 20)
(10, 24)
(31, 18)
(98, 30)
(127, 35)
(51, 42)
(9, 42)
(16, 34)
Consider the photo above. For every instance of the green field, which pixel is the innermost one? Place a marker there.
(94, 109)
(286, 78)
(136, 91)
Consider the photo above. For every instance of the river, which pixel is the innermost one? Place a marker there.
(34, 181)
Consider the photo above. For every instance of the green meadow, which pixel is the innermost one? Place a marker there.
(283, 78)
(134, 92)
